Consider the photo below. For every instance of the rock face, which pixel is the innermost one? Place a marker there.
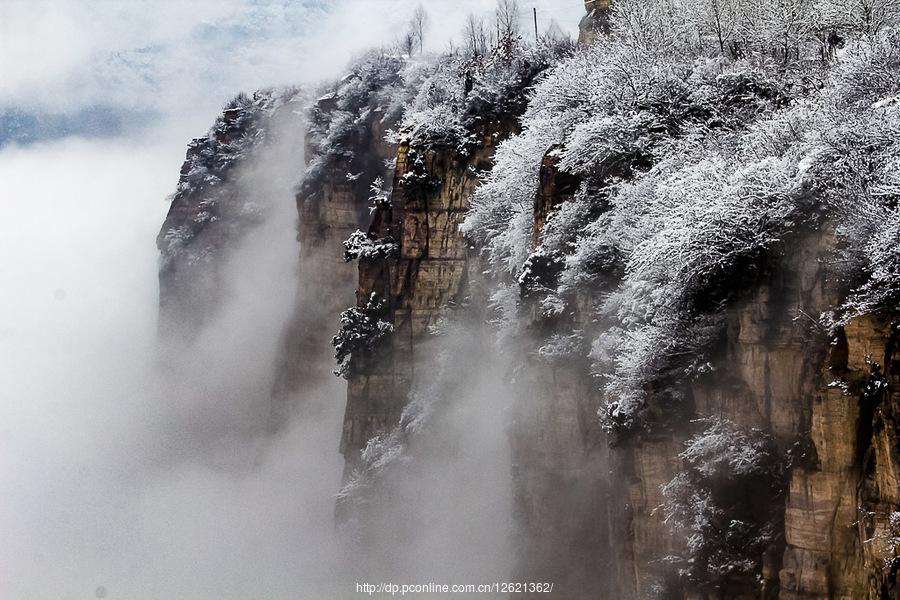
(430, 271)
(330, 208)
(560, 453)
(829, 403)
(220, 196)
(595, 22)
(767, 374)
(841, 541)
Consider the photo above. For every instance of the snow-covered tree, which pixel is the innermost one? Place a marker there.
(361, 245)
(508, 15)
(719, 18)
(869, 17)
(361, 335)
(723, 503)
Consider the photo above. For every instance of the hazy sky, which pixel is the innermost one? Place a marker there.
(185, 58)
(99, 494)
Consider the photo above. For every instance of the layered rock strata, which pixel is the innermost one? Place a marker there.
(430, 270)
(330, 208)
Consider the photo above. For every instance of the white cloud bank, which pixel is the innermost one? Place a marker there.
(114, 480)
(176, 57)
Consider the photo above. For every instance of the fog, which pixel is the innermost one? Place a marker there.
(435, 503)
(128, 470)
(144, 474)
(132, 470)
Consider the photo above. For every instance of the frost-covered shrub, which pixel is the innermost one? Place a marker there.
(562, 348)
(723, 216)
(588, 83)
(457, 93)
(379, 196)
(653, 358)
(693, 231)
(854, 161)
(437, 127)
(237, 131)
(892, 545)
(417, 180)
(361, 334)
(501, 81)
(432, 117)
(361, 245)
(882, 288)
(724, 501)
(681, 192)
(372, 90)
(788, 30)
(540, 272)
(610, 114)
(692, 170)
(868, 72)
(694, 98)
(211, 165)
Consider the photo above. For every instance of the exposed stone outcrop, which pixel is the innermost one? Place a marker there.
(560, 453)
(431, 270)
(218, 199)
(595, 22)
(765, 374)
(330, 208)
(831, 408)
(841, 501)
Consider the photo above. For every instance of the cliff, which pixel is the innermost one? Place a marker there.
(223, 192)
(332, 202)
(427, 271)
(593, 506)
(675, 257)
(595, 23)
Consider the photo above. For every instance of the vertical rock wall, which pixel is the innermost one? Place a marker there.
(765, 375)
(213, 207)
(329, 210)
(831, 408)
(841, 542)
(560, 453)
(430, 271)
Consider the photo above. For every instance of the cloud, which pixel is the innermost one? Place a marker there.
(115, 473)
(171, 56)
(149, 474)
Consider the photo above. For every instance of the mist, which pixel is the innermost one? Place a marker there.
(138, 470)
(437, 487)
(129, 469)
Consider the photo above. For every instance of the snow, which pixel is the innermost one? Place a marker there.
(361, 334)
(361, 246)
(694, 165)
(712, 503)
